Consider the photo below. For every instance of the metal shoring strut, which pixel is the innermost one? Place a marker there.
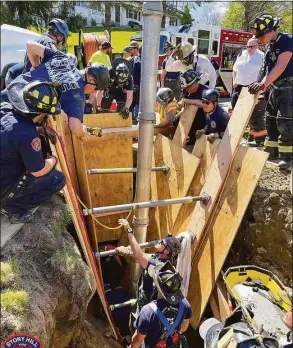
(165, 169)
(204, 198)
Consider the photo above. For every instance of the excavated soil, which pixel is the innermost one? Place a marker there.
(265, 236)
(48, 286)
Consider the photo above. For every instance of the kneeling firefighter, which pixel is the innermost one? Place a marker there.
(27, 179)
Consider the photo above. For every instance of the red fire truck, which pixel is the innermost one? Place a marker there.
(220, 45)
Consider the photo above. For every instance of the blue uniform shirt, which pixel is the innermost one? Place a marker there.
(47, 42)
(13, 73)
(149, 324)
(20, 147)
(216, 121)
(56, 67)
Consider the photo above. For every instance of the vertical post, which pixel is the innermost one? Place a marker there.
(152, 17)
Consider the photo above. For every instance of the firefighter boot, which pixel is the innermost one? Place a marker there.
(273, 151)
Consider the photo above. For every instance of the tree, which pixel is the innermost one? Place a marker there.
(186, 15)
(19, 14)
(211, 15)
(240, 15)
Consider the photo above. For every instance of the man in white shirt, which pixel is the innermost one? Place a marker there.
(245, 70)
(185, 57)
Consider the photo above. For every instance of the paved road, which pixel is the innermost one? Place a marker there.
(225, 103)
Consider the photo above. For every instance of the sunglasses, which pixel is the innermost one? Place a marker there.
(250, 46)
(206, 102)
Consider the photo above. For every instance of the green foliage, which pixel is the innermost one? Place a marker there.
(240, 15)
(6, 273)
(67, 259)
(234, 17)
(186, 15)
(64, 220)
(93, 22)
(76, 22)
(15, 302)
(20, 14)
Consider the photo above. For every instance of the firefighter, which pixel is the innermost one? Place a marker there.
(27, 179)
(171, 79)
(192, 95)
(216, 118)
(167, 250)
(161, 323)
(55, 38)
(278, 70)
(120, 88)
(135, 61)
(166, 107)
(56, 67)
(185, 57)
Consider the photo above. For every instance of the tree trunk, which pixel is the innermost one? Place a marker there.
(164, 13)
(108, 17)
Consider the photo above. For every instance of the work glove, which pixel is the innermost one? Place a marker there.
(124, 251)
(255, 87)
(181, 104)
(124, 113)
(212, 137)
(88, 108)
(199, 134)
(95, 131)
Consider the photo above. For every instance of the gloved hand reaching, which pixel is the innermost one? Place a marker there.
(212, 137)
(255, 87)
(199, 134)
(124, 113)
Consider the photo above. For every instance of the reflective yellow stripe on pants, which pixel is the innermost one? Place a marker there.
(271, 143)
(285, 149)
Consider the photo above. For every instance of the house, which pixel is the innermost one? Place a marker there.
(121, 15)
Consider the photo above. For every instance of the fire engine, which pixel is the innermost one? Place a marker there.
(220, 45)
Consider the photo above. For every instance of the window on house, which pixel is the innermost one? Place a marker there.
(139, 16)
(134, 14)
(117, 14)
(130, 13)
(99, 6)
(203, 41)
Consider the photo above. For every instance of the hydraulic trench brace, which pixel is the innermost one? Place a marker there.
(165, 169)
(204, 199)
(132, 302)
(142, 245)
(97, 131)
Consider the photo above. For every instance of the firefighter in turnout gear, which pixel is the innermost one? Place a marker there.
(160, 323)
(27, 179)
(167, 250)
(278, 71)
(166, 106)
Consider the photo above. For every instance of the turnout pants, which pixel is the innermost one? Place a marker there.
(279, 122)
(257, 119)
(32, 191)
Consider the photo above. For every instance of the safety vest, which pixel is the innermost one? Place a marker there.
(170, 329)
(165, 110)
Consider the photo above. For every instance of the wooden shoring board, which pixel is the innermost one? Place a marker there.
(184, 125)
(175, 184)
(107, 189)
(205, 151)
(107, 120)
(219, 302)
(71, 199)
(64, 131)
(223, 159)
(215, 244)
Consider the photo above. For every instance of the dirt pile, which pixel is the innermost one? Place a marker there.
(45, 284)
(265, 236)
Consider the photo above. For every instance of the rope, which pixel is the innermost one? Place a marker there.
(98, 222)
(78, 198)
